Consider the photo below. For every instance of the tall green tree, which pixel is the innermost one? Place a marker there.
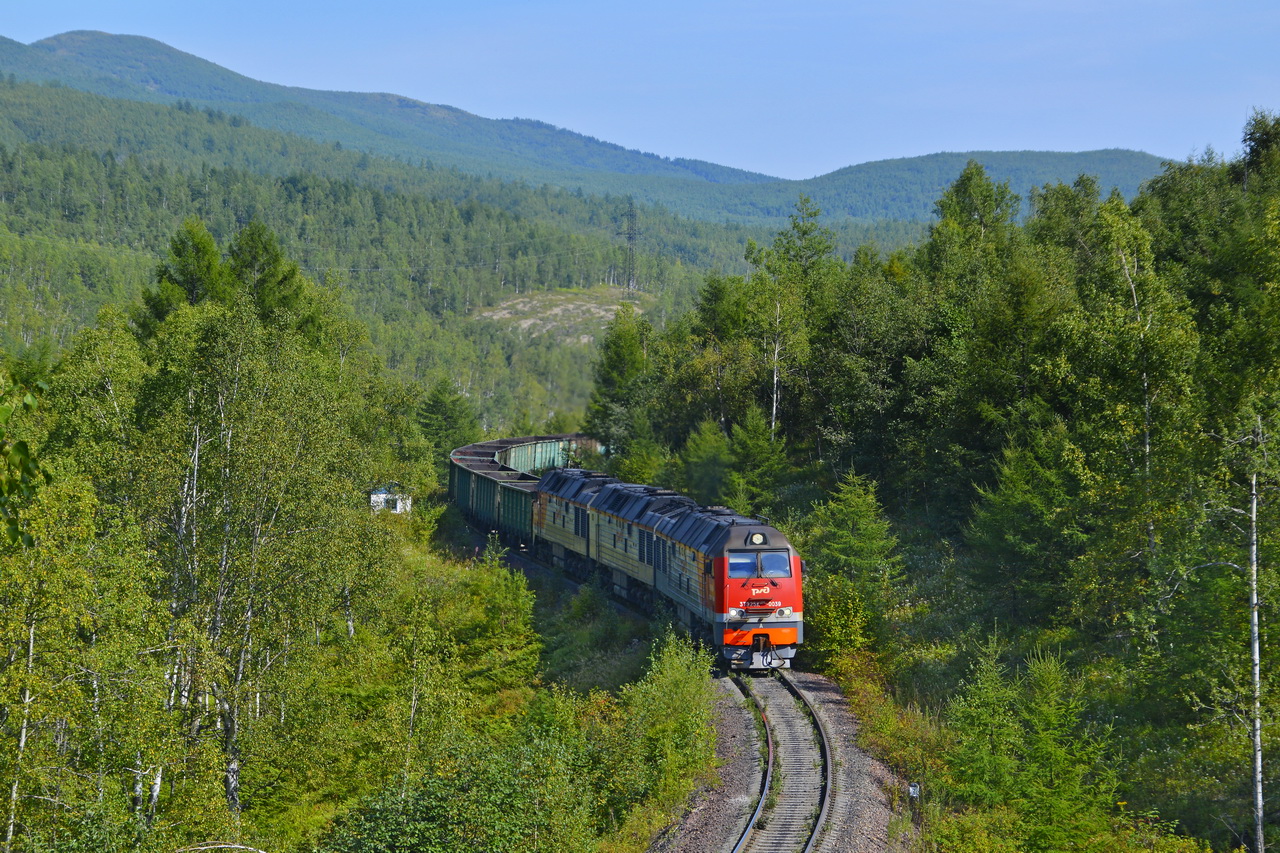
(618, 369)
(706, 464)
(791, 277)
(82, 688)
(1261, 142)
(192, 272)
(986, 758)
(849, 536)
(257, 264)
(447, 420)
(759, 464)
(248, 484)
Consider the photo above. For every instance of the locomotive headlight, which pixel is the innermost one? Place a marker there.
(783, 611)
(737, 613)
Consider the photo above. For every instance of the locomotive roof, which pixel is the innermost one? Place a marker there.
(648, 505)
(669, 513)
(573, 484)
(711, 528)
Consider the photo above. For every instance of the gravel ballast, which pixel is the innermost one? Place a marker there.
(858, 817)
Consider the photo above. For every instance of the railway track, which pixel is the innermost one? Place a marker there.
(796, 790)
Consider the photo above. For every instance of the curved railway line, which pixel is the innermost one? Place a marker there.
(735, 581)
(796, 790)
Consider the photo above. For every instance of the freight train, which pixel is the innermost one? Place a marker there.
(734, 581)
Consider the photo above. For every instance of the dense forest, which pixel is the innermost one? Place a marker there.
(1029, 462)
(83, 228)
(884, 194)
(91, 189)
(1026, 451)
(181, 134)
(207, 638)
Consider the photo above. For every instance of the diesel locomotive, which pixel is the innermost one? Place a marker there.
(731, 580)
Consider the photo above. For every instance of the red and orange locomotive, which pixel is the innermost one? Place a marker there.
(733, 580)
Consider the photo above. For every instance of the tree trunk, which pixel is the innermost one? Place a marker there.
(11, 829)
(1260, 839)
(346, 606)
(777, 364)
(408, 744)
(136, 800)
(153, 797)
(230, 715)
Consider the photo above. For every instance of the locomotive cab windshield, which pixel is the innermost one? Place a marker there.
(759, 564)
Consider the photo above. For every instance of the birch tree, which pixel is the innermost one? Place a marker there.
(791, 277)
(248, 428)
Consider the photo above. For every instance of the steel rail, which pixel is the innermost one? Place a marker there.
(828, 767)
(767, 781)
(804, 743)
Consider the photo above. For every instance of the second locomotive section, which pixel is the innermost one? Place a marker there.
(734, 579)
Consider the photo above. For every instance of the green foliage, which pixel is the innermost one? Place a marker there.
(573, 770)
(412, 243)
(1261, 140)
(1025, 531)
(852, 538)
(1060, 416)
(1024, 756)
(587, 644)
(668, 739)
(986, 759)
(503, 656)
(979, 831)
(519, 797)
(835, 616)
(272, 281)
(209, 635)
(1066, 789)
(848, 537)
(759, 465)
(418, 274)
(447, 421)
(618, 368)
(706, 463)
(192, 273)
(21, 472)
(80, 637)
(645, 461)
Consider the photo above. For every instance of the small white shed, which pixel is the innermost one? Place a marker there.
(391, 498)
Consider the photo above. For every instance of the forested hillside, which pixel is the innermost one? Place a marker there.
(182, 136)
(208, 641)
(142, 69)
(414, 250)
(1021, 459)
(92, 188)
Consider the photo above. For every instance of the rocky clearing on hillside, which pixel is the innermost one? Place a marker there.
(577, 317)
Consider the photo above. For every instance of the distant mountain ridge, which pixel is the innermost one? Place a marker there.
(140, 68)
(143, 69)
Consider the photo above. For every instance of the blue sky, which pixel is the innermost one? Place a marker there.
(793, 88)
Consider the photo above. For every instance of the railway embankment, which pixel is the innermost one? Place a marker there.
(858, 815)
